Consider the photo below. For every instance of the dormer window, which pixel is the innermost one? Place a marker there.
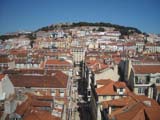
(121, 90)
(158, 80)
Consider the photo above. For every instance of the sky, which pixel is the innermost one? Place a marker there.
(29, 15)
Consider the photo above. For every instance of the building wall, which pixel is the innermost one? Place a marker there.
(27, 66)
(11, 65)
(1, 92)
(108, 97)
(10, 106)
(7, 86)
(153, 49)
(78, 55)
(146, 87)
(108, 74)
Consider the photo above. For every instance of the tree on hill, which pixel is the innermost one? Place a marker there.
(101, 29)
(6, 37)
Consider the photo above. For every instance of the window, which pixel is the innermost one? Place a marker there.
(158, 80)
(112, 97)
(104, 97)
(113, 108)
(89, 93)
(141, 90)
(53, 92)
(121, 89)
(61, 93)
(142, 81)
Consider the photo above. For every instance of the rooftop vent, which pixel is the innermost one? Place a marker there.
(147, 103)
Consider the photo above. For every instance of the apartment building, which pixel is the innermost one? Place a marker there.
(78, 54)
(130, 108)
(57, 84)
(59, 64)
(105, 90)
(40, 108)
(144, 80)
(6, 63)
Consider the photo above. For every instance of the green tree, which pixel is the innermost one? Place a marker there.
(101, 29)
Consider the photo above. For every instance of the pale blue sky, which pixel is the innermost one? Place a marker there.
(16, 15)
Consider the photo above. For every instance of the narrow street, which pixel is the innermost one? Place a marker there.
(82, 101)
(79, 107)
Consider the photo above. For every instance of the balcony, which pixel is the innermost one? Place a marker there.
(143, 83)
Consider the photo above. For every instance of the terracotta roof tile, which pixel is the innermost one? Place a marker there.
(153, 113)
(134, 113)
(96, 65)
(35, 114)
(146, 69)
(108, 89)
(139, 111)
(61, 62)
(30, 71)
(30, 108)
(120, 84)
(134, 107)
(4, 60)
(118, 102)
(22, 108)
(37, 103)
(59, 80)
(104, 81)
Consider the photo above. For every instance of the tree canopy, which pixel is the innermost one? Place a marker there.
(124, 30)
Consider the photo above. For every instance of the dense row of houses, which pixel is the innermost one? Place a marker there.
(121, 77)
(18, 87)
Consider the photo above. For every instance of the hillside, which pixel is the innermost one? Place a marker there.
(123, 29)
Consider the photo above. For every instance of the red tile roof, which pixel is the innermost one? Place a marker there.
(103, 81)
(59, 80)
(118, 102)
(108, 89)
(139, 111)
(134, 107)
(37, 103)
(30, 71)
(4, 60)
(61, 62)
(134, 113)
(120, 84)
(153, 113)
(22, 108)
(30, 109)
(96, 65)
(35, 114)
(44, 98)
(146, 69)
